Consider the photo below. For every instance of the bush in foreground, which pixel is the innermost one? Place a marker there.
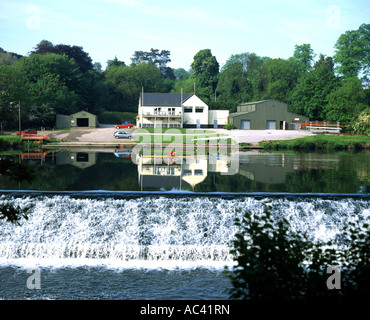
(275, 263)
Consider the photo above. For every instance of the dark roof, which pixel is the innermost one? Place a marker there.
(164, 99)
(259, 102)
(254, 102)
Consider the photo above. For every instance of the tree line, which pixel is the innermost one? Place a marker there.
(63, 79)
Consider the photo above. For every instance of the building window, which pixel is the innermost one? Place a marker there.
(157, 111)
(188, 109)
(199, 109)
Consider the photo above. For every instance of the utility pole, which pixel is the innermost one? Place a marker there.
(19, 116)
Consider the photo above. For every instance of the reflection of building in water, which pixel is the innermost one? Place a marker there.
(182, 174)
(80, 160)
(273, 168)
(177, 172)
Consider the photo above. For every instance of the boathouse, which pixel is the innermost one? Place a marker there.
(266, 114)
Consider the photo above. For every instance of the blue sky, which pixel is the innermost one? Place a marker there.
(109, 28)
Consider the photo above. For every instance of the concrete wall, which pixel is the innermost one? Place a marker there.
(221, 116)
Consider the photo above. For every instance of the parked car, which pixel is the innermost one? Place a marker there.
(122, 135)
(27, 131)
(123, 154)
(127, 124)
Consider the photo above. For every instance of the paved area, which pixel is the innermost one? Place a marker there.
(105, 134)
(255, 136)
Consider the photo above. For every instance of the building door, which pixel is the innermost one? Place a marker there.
(198, 124)
(215, 124)
(270, 124)
(82, 122)
(245, 124)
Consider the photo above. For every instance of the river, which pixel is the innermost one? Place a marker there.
(106, 226)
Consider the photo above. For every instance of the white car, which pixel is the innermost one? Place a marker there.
(122, 135)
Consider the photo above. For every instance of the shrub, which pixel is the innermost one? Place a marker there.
(229, 126)
(275, 263)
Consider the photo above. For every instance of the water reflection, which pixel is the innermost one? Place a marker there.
(252, 171)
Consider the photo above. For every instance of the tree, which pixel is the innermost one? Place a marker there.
(181, 74)
(7, 58)
(81, 57)
(206, 70)
(274, 262)
(54, 80)
(40, 115)
(233, 84)
(310, 95)
(345, 102)
(126, 82)
(160, 59)
(361, 123)
(115, 62)
(13, 93)
(303, 57)
(98, 67)
(352, 52)
(276, 80)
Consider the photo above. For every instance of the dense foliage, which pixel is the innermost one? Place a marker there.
(276, 263)
(63, 79)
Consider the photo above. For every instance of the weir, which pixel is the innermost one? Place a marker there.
(154, 231)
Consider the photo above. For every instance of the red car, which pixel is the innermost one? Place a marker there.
(127, 124)
(27, 131)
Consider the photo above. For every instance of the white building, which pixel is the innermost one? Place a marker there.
(169, 110)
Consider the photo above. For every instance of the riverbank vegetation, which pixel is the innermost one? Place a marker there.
(63, 79)
(321, 142)
(274, 262)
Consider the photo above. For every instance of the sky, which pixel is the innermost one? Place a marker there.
(117, 28)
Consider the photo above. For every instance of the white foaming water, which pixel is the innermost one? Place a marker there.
(150, 232)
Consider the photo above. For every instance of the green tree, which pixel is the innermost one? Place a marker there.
(234, 86)
(361, 123)
(274, 262)
(14, 93)
(181, 74)
(54, 80)
(160, 59)
(40, 115)
(126, 82)
(7, 58)
(303, 56)
(206, 70)
(345, 102)
(81, 57)
(276, 80)
(310, 95)
(352, 52)
(115, 62)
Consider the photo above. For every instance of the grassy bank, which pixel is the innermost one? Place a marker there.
(321, 142)
(10, 142)
(13, 142)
